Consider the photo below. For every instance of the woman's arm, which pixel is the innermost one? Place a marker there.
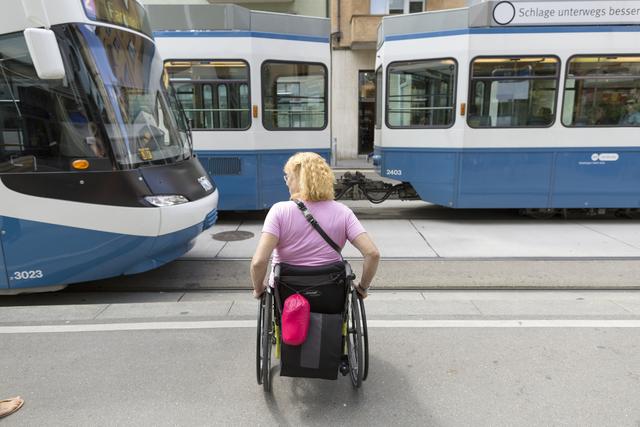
(260, 262)
(371, 256)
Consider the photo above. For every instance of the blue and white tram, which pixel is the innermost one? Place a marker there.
(513, 104)
(255, 88)
(97, 176)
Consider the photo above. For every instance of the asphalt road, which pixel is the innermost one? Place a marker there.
(437, 359)
(418, 376)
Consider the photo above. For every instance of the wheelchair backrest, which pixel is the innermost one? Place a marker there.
(325, 287)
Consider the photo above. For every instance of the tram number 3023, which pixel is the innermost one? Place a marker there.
(27, 274)
(394, 172)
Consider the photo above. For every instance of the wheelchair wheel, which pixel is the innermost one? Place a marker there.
(365, 336)
(355, 342)
(264, 341)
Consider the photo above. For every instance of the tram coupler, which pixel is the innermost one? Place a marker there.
(356, 186)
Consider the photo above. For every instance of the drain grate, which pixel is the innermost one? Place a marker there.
(233, 236)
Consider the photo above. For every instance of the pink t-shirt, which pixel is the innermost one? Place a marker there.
(299, 243)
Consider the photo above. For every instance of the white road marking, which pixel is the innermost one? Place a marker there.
(231, 324)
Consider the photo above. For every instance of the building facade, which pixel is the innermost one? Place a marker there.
(354, 36)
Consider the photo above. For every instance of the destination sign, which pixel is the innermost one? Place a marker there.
(566, 12)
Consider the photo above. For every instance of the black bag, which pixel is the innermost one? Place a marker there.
(319, 356)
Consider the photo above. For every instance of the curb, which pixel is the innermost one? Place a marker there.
(403, 274)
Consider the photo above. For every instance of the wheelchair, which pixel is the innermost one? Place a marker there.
(337, 341)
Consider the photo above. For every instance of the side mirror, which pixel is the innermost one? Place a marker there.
(45, 53)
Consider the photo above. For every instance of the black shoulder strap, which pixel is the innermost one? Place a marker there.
(315, 225)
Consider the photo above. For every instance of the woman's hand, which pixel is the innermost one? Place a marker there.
(362, 291)
(257, 293)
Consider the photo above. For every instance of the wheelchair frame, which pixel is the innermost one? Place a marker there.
(355, 339)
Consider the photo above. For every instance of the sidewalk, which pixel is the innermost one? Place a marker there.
(468, 237)
(442, 249)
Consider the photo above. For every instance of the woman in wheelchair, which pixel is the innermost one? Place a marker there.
(304, 237)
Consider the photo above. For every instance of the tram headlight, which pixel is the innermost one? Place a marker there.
(162, 201)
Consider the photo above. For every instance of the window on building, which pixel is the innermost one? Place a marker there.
(421, 93)
(294, 95)
(214, 94)
(416, 6)
(396, 7)
(379, 7)
(513, 92)
(602, 91)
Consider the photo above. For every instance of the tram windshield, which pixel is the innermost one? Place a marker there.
(114, 108)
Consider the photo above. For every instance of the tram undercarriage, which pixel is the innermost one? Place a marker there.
(356, 186)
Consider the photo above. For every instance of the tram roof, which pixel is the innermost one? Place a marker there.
(227, 17)
(500, 14)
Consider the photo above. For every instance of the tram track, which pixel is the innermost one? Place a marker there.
(400, 274)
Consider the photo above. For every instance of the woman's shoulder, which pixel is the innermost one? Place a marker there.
(339, 205)
(286, 204)
(332, 205)
(283, 206)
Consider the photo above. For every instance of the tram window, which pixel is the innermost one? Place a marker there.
(214, 94)
(421, 94)
(379, 98)
(207, 106)
(294, 95)
(223, 106)
(602, 91)
(43, 123)
(513, 92)
(244, 97)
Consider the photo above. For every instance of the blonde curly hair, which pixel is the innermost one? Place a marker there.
(315, 177)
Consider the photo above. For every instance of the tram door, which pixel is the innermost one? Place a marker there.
(366, 110)
(4, 283)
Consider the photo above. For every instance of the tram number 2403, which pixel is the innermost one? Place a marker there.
(394, 172)
(27, 274)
